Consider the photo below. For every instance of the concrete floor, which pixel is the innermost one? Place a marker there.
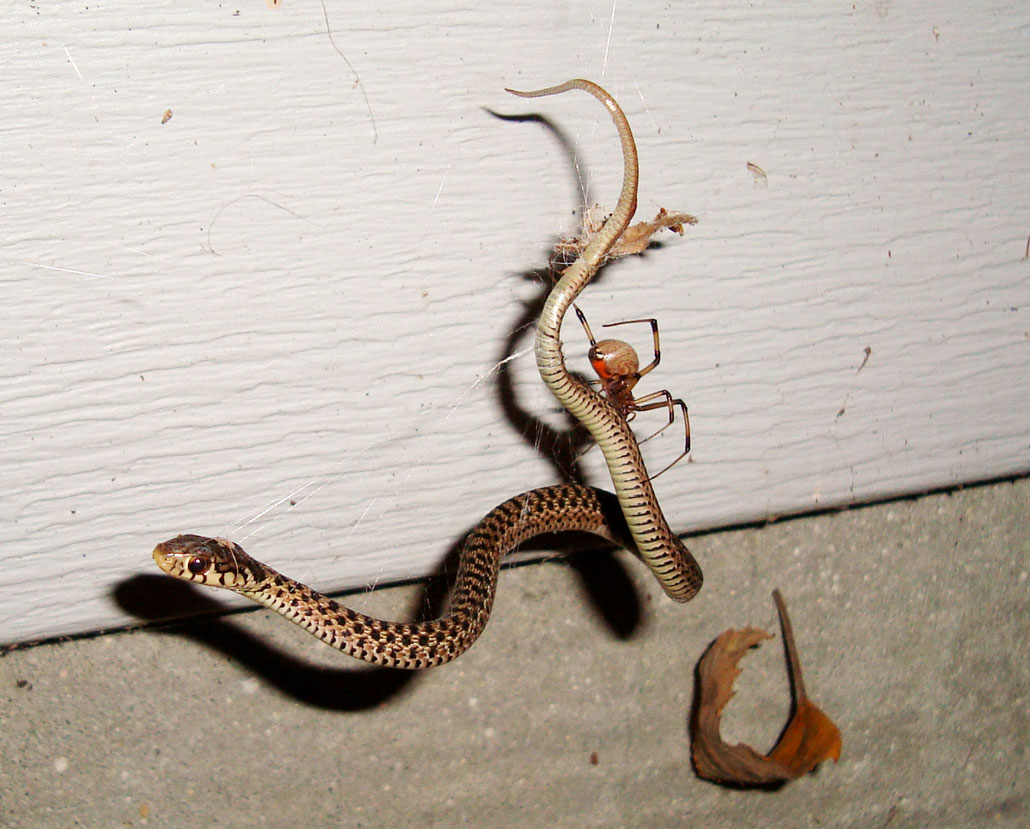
(912, 620)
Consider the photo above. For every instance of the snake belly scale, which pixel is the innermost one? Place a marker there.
(631, 518)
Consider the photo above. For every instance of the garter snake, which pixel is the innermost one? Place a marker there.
(631, 518)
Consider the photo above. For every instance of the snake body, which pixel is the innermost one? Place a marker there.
(223, 563)
(668, 558)
(631, 518)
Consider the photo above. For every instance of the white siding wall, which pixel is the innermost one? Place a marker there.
(278, 316)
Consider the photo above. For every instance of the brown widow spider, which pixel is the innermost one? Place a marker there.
(618, 371)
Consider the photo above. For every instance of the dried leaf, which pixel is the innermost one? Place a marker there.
(809, 738)
(634, 239)
(714, 759)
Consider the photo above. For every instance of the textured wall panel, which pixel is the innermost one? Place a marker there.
(280, 314)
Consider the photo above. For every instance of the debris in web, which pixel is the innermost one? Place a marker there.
(634, 239)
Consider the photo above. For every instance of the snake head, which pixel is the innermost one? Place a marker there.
(216, 562)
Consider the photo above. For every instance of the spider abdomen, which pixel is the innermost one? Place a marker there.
(614, 358)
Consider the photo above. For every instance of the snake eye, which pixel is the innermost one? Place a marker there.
(198, 564)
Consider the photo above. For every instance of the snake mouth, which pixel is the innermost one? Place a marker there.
(162, 558)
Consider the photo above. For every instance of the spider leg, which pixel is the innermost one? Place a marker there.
(664, 400)
(586, 325)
